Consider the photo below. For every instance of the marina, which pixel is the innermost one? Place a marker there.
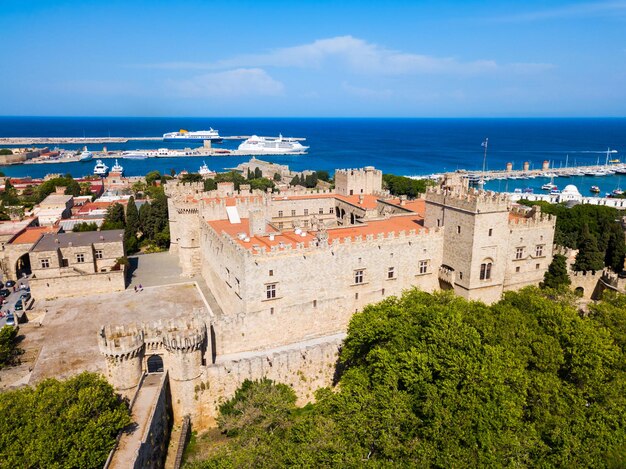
(6, 141)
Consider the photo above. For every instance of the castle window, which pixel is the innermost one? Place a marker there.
(80, 258)
(45, 263)
(331, 210)
(517, 269)
(271, 273)
(539, 251)
(351, 192)
(458, 229)
(321, 211)
(460, 275)
(306, 212)
(485, 271)
(537, 266)
(271, 310)
(315, 303)
(305, 223)
(423, 267)
(490, 231)
(99, 254)
(280, 225)
(391, 272)
(270, 291)
(356, 296)
(293, 213)
(280, 214)
(383, 292)
(519, 252)
(438, 222)
(358, 276)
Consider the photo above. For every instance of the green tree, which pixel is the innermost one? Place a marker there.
(258, 174)
(556, 276)
(295, 181)
(114, 219)
(6, 151)
(436, 381)
(9, 350)
(85, 226)
(322, 175)
(191, 177)
(615, 249)
(277, 177)
(210, 184)
(132, 226)
(249, 175)
(400, 185)
(70, 423)
(152, 177)
(9, 195)
(589, 256)
(48, 187)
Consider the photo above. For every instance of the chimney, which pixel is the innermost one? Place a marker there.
(361, 199)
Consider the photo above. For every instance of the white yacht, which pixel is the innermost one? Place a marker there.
(204, 170)
(86, 155)
(272, 145)
(194, 136)
(117, 168)
(100, 169)
(135, 155)
(167, 153)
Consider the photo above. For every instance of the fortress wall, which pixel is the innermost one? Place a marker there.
(223, 269)
(77, 284)
(316, 293)
(305, 367)
(588, 281)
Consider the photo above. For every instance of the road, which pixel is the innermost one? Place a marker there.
(9, 306)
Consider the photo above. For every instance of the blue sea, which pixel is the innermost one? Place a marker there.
(401, 146)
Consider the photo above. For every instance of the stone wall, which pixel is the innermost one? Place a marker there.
(366, 180)
(70, 283)
(305, 367)
(155, 441)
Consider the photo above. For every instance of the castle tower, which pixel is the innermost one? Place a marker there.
(123, 348)
(256, 220)
(476, 234)
(184, 342)
(368, 180)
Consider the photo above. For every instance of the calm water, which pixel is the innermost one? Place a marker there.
(399, 146)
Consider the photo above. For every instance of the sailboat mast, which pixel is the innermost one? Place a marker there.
(485, 144)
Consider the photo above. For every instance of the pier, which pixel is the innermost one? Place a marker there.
(98, 140)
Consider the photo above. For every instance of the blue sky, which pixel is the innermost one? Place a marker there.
(313, 58)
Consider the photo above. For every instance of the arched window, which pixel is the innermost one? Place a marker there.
(485, 269)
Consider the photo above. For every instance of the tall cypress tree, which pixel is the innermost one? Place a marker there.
(132, 226)
(615, 249)
(556, 276)
(589, 256)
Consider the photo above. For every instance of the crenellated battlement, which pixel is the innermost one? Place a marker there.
(471, 201)
(184, 336)
(121, 342)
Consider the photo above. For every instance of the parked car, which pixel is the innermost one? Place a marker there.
(4, 293)
(10, 320)
(25, 296)
(10, 283)
(1, 285)
(19, 305)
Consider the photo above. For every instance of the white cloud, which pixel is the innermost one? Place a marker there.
(355, 55)
(229, 83)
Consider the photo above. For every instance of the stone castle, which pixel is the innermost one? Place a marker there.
(288, 271)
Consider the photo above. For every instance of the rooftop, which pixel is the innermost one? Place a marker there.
(32, 234)
(50, 242)
(13, 227)
(56, 199)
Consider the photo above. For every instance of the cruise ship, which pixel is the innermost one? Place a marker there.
(268, 145)
(159, 153)
(195, 136)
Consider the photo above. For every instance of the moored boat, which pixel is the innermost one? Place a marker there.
(100, 169)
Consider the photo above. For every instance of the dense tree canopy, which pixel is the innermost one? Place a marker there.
(85, 226)
(400, 185)
(436, 381)
(58, 424)
(601, 223)
(48, 187)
